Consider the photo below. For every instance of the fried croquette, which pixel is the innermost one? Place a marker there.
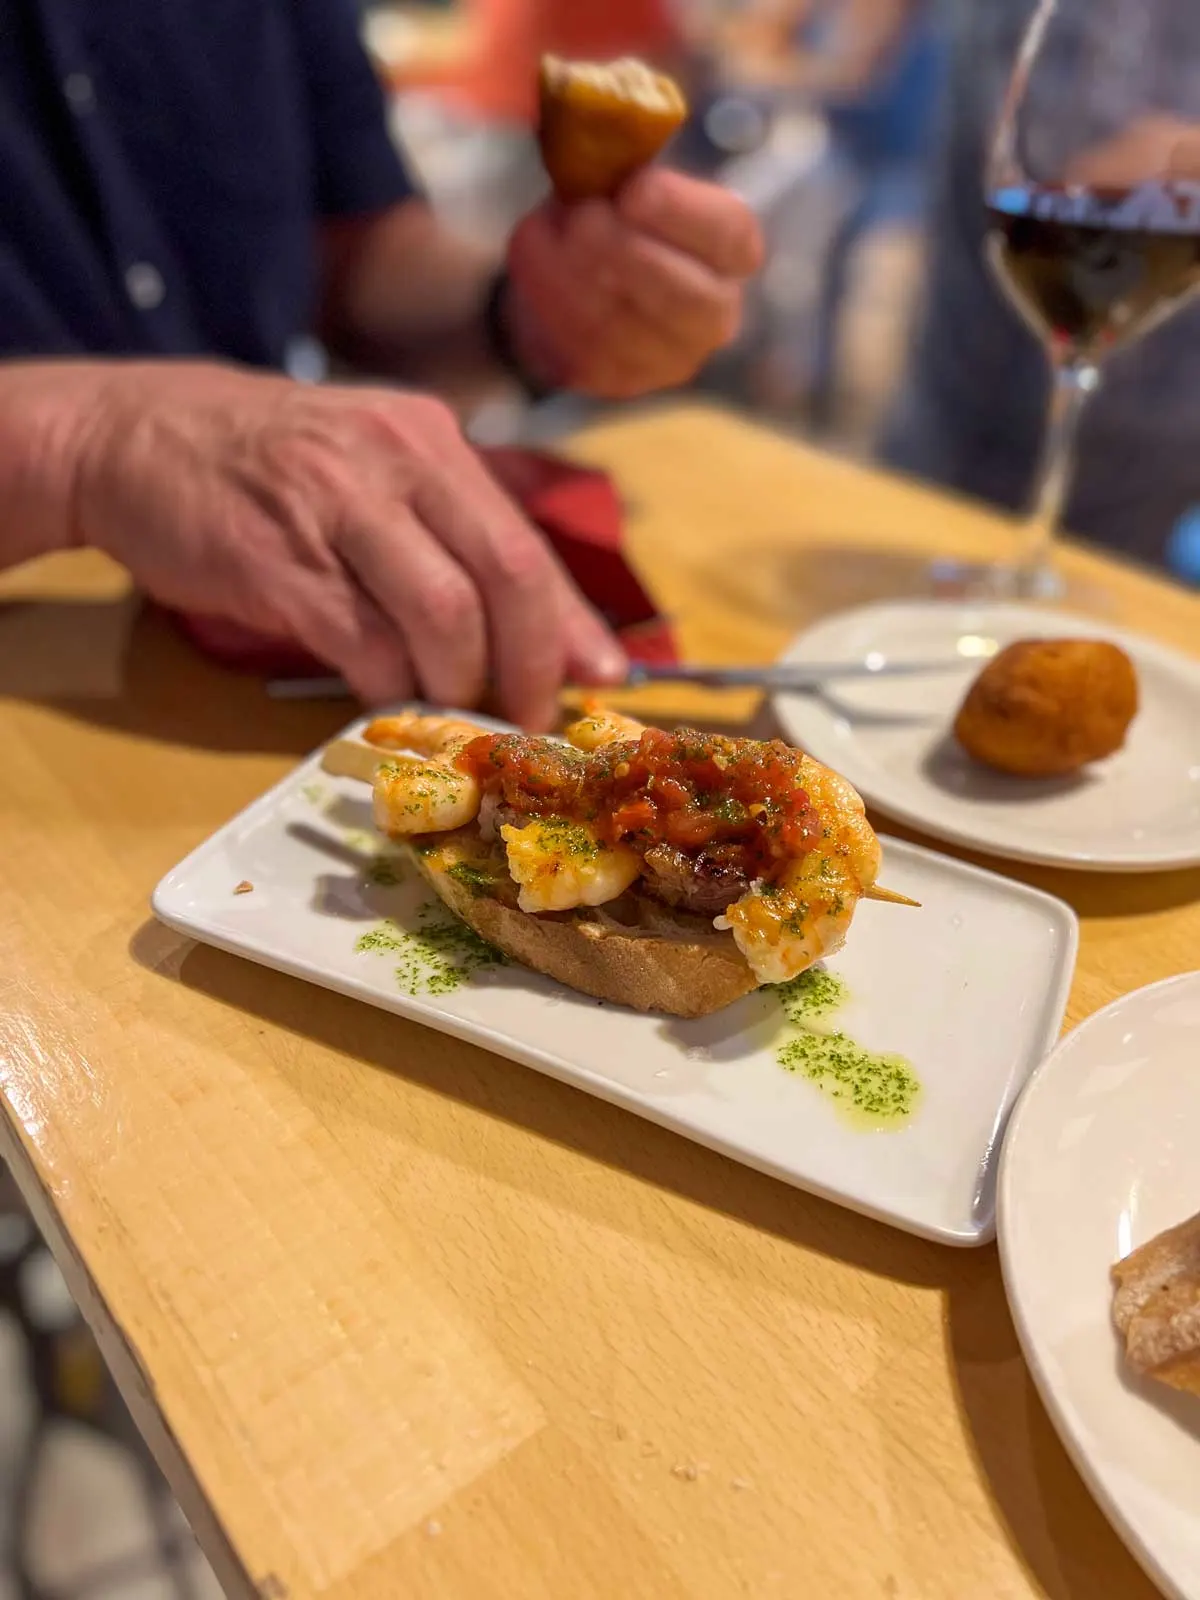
(1046, 707)
(599, 125)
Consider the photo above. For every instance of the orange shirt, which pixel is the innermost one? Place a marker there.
(498, 81)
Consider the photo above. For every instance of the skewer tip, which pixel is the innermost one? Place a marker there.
(891, 896)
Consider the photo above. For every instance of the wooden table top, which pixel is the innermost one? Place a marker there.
(402, 1319)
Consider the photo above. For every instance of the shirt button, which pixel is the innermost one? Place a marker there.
(144, 285)
(305, 360)
(80, 93)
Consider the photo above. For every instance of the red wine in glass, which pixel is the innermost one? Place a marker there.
(1092, 268)
(1092, 188)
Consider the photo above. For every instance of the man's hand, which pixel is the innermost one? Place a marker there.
(620, 299)
(610, 299)
(357, 522)
(1156, 148)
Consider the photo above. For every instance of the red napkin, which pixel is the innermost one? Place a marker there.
(579, 512)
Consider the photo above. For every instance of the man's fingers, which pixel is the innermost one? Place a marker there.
(517, 581)
(344, 627)
(430, 599)
(525, 592)
(593, 656)
(1157, 146)
(673, 290)
(589, 645)
(475, 590)
(568, 321)
(627, 314)
(700, 219)
(643, 354)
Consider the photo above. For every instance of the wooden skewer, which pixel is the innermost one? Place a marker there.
(892, 896)
(354, 758)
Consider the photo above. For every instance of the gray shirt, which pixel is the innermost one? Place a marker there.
(971, 410)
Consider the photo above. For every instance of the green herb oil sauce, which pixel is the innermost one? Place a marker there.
(435, 958)
(385, 871)
(869, 1090)
(478, 880)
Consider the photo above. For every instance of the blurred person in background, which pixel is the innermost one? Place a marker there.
(873, 70)
(190, 192)
(971, 413)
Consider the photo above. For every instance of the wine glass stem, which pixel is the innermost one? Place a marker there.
(1073, 382)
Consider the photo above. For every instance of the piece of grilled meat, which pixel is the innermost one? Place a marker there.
(692, 883)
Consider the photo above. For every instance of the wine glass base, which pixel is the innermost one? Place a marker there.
(964, 580)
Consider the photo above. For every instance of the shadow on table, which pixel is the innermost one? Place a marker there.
(120, 665)
(789, 585)
(950, 769)
(1092, 894)
(1047, 1512)
(553, 1111)
(1052, 1523)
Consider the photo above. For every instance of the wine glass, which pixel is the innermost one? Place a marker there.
(1093, 193)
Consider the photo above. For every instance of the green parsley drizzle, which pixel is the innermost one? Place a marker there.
(567, 838)
(435, 958)
(385, 871)
(868, 1089)
(811, 997)
(481, 883)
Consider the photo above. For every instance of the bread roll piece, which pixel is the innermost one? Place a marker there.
(1156, 1306)
(632, 951)
(1046, 707)
(599, 124)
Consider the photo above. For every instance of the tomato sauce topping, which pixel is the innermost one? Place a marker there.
(737, 801)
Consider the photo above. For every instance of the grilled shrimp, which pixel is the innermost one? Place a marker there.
(427, 736)
(785, 926)
(598, 726)
(560, 865)
(426, 792)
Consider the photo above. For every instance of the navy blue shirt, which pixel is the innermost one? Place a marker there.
(164, 167)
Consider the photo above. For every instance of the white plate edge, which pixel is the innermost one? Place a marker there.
(1062, 1415)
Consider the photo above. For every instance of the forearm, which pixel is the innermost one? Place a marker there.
(44, 423)
(405, 296)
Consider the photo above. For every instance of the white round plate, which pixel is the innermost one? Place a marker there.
(1139, 811)
(1100, 1156)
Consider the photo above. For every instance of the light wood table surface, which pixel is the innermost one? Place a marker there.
(405, 1320)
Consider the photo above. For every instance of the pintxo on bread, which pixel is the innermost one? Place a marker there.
(667, 871)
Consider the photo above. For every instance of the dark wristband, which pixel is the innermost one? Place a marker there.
(500, 341)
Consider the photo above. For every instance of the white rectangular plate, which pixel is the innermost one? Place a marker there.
(971, 989)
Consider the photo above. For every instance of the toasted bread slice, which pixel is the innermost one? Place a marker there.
(599, 124)
(632, 951)
(1157, 1306)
